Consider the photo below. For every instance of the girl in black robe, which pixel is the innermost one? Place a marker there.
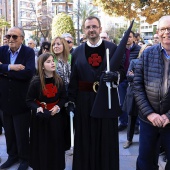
(46, 97)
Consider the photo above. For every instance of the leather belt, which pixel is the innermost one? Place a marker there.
(88, 86)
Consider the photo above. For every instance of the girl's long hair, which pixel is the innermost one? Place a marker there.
(65, 52)
(41, 59)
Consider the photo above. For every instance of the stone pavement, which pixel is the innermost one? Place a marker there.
(127, 156)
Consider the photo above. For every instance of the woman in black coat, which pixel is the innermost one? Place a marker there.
(129, 105)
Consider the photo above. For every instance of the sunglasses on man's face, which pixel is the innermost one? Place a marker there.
(13, 36)
(69, 42)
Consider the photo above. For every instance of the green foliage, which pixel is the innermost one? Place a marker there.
(35, 38)
(116, 40)
(84, 12)
(135, 27)
(154, 29)
(115, 34)
(4, 23)
(62, 23)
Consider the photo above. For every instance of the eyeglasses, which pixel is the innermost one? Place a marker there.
(155, 37)
(47, 49)
(93, 27)
(13, 36)
(162, 30)
(69, 42)
(104, 38)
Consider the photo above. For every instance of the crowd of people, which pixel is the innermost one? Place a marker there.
(39, 90)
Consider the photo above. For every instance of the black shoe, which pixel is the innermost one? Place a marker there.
(0, 130)
(23, 165)
(122, 127)
(136, 130)
(10, 161)
(127, 144)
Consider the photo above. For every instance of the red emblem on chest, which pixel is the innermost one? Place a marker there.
(50, 90)
(95, 60)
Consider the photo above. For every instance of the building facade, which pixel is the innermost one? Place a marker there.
(146, 30)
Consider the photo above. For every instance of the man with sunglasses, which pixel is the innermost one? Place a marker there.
(152, 94)
(17, 66)
(70, 40)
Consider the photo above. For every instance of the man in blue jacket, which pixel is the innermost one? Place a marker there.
(152, 94)
(17, 66)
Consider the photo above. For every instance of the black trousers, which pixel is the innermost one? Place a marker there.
(131, 127)
(1, 120)
(17, 134)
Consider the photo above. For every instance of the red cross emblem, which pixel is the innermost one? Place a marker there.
(95, 60)
(50, 90)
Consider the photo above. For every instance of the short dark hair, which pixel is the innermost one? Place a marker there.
(137, 35)
(132, 33)
(93, 17)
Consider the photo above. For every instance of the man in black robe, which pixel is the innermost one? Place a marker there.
(96, 135)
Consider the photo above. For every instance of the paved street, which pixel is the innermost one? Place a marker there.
(127, 156)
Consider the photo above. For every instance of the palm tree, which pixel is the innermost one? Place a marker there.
(83, 12)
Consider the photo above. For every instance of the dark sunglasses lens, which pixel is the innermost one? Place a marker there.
(69, 42)
(8, 36)
(13, 36)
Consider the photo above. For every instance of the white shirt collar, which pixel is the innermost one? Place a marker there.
(96, 45)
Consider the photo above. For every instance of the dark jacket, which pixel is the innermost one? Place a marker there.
(131, 68)
(129, 105)
(134, 51)
(14, 84)
(147, 83)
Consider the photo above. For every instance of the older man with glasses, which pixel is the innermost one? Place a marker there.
(104, 36)
(17, 67)
(152, 94)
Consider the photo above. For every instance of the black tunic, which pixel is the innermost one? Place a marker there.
(96, 139)
(46, 134)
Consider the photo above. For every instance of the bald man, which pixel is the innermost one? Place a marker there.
(104, 36)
